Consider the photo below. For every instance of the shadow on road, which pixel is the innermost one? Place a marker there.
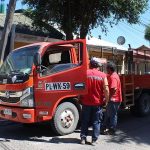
(16, 131)
(130, 129)
(59, 140)
(11, 130)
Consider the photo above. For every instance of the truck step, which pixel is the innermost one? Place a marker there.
(130, 94)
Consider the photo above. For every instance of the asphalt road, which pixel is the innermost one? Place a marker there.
(133, 134)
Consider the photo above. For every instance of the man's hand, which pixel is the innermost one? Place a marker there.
(106, 90)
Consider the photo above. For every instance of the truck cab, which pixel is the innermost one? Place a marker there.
(42, 82)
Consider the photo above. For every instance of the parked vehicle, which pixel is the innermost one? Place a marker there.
(46, 89)
(42, 82)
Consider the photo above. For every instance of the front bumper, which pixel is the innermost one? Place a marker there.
(18, 114)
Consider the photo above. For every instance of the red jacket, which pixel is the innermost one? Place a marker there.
(95, 94)
(114, 82)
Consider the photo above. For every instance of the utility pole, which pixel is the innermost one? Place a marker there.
(7, 28)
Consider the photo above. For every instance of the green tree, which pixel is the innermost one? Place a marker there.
(80, 16)
(147, 33)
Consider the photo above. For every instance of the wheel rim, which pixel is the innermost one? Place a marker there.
(67, 118)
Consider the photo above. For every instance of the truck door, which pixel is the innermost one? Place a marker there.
(63, 76)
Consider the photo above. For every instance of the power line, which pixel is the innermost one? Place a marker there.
(128, 30)
(143, 24)
(125, 30)
(145, 18)
(133, 27)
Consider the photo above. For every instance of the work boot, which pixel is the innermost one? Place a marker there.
(104, 132)
(111, 131)
(83, 141)
(94, 142)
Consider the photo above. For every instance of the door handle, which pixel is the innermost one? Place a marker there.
(79, 86)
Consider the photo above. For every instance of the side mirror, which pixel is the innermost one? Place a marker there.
(37, 60)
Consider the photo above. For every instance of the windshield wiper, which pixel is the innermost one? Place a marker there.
(16, 71)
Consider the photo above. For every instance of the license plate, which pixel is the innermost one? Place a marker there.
(8, 112)
(56, 86)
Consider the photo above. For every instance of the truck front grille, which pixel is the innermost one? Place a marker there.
(10, 99)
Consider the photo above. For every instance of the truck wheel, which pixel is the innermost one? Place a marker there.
(65, 119)
(142, 105)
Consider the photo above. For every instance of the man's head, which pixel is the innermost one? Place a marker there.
(95, 63)
(111, 67)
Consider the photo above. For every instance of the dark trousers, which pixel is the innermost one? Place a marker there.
(111, 115)
(94, 114)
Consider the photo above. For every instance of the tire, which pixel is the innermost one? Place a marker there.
(142, 105)
(66, 119)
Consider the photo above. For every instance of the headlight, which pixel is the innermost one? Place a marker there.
(18, 94)
(26, 100)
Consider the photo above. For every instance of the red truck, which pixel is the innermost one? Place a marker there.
(42, 81)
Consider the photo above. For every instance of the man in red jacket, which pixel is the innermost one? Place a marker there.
(115, 98)
(93, 101)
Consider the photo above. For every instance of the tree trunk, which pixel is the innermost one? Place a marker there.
(67, 21)
(83, 33)
(7, 28)
(69, 36)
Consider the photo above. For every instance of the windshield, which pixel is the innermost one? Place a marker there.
(20, 60)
